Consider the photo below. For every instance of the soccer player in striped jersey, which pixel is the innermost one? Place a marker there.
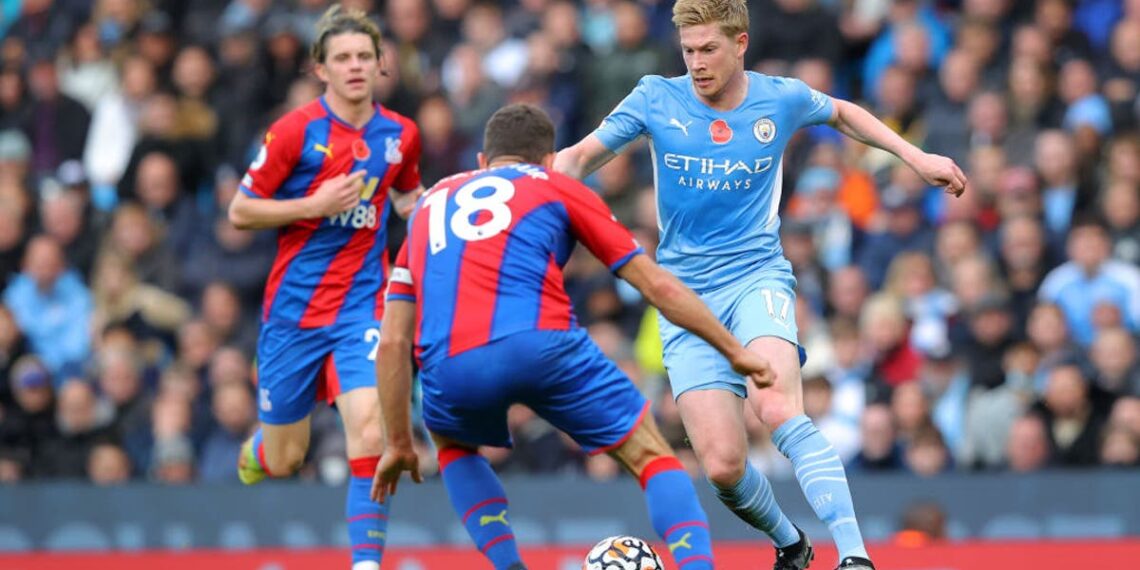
(327, 175)
(478, 284)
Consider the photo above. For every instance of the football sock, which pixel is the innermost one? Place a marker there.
(259, 451)
(821, 476)
(752, 500)
(367, 519)
(478, 498)
(676, 513)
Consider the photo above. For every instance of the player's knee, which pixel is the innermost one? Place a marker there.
(723, 466)
(371, 438)
(776, 412)
(286, 463)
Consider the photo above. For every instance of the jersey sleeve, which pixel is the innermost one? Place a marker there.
(628, 120)
(279, 153)
(596, 227)
(812, 107)
(409, 177)
(401, 286)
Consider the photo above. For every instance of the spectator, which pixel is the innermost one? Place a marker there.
(1028, 447)
(880, 451)
(58, 124)
(840, 431)
(149, 312)
(926, 455)
(884, 326)
(234, 410)
(1120, 205)
(52, 306)
(1074, 417)
(904, 230)
(107, 465)
(1114, 360)
(1089, 278)
(922, 523)
(115, 124)
(990, 414)
(30, 423)
(84, 422)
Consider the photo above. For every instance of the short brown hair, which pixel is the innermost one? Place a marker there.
(520, 130)
(336, 21)
(731, 15)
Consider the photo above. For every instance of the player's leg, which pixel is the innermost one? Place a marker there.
(288, 362)
(350, 377)
(674, 509)
(479, 499)
(710, 399)
(586, 396)
(465, 401)
(766, 315)
(818, 467)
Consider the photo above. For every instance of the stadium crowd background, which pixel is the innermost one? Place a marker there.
(130, 304)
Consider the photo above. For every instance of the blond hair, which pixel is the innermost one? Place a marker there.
(731, 15)
(337, 20)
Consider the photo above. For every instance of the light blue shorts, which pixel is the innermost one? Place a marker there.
(765, 306)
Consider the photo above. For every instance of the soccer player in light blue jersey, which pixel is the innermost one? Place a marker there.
(717, 136)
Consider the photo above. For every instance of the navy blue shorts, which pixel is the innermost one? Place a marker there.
(298, 367)
(561, 375)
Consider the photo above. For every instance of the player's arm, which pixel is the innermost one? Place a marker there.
(407, 186)
(582, 159)
(855, 122)
(394, 383)
(683, 308)
(624, 125)
(404, 202)
(333, 196)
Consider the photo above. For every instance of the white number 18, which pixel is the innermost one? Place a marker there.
(470, 205)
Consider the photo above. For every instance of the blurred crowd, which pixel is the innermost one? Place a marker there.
(996, 331)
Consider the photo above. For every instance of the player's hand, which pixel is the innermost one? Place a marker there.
(939, 170)
(755, 367)
(339, 193)
(392, 464)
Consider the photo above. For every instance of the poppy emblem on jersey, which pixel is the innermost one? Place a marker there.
(360, 150)
(764, 130)
(720, 132)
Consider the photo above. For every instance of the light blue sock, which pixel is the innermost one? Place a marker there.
(821, 476)
(752, 500)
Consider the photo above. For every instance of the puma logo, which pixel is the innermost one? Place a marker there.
(488, 519)
(683, 542)
(684, 128)
(326, 150)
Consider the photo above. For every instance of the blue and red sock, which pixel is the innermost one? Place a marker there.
(478, 498)
(367, 520)
(676, 513)
(259, 452)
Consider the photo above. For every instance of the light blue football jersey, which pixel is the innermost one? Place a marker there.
(718, 175)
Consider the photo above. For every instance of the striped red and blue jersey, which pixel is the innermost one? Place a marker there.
(332, 270)
(484, 255)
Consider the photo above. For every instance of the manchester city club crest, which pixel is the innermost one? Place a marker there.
(765, 130)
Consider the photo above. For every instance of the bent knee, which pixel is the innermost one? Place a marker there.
(724, 467)
(369, 439)
(286, 463)
(775, 408)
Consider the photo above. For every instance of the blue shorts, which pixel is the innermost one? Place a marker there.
(561, 375)
(751, 309)
(298, 367)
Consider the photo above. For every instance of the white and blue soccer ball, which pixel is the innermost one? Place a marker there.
(622, 553)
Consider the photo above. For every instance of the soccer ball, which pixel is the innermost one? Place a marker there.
(622, 553)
